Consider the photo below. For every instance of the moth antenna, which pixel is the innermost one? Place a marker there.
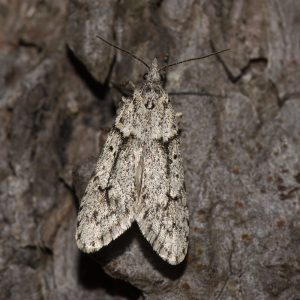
(191, 59)
(126, 51)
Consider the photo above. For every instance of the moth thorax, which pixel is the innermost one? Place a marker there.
(151, 94)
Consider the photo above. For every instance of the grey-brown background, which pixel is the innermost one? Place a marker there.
(240, 145)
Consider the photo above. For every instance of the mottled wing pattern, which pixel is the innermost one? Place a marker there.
(139, 176)
(162, 212)
(106, 209)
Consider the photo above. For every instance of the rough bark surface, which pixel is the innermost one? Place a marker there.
(241, 145)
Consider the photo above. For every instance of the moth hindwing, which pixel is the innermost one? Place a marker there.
(139, 177)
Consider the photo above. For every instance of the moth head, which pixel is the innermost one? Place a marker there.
(152, 92)
(153, 74)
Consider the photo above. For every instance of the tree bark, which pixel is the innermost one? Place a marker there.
(240, 142)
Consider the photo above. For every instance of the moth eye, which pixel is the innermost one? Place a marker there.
(145, 76)
(162, 77)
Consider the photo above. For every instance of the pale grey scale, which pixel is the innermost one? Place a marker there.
(131, 120)
(163, 222)
(93, 235)
(99, 223)
(157, 122)
(153, 123)
(176, 169)
(107, 158)
(169, 242)
(170, 126)
(141, 124)
(162, 123)
(123, 176)
(125, 119)
(101, 220)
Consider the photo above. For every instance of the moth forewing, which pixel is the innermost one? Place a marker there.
(139, 177)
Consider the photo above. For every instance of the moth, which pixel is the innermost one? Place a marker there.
(139, 176)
